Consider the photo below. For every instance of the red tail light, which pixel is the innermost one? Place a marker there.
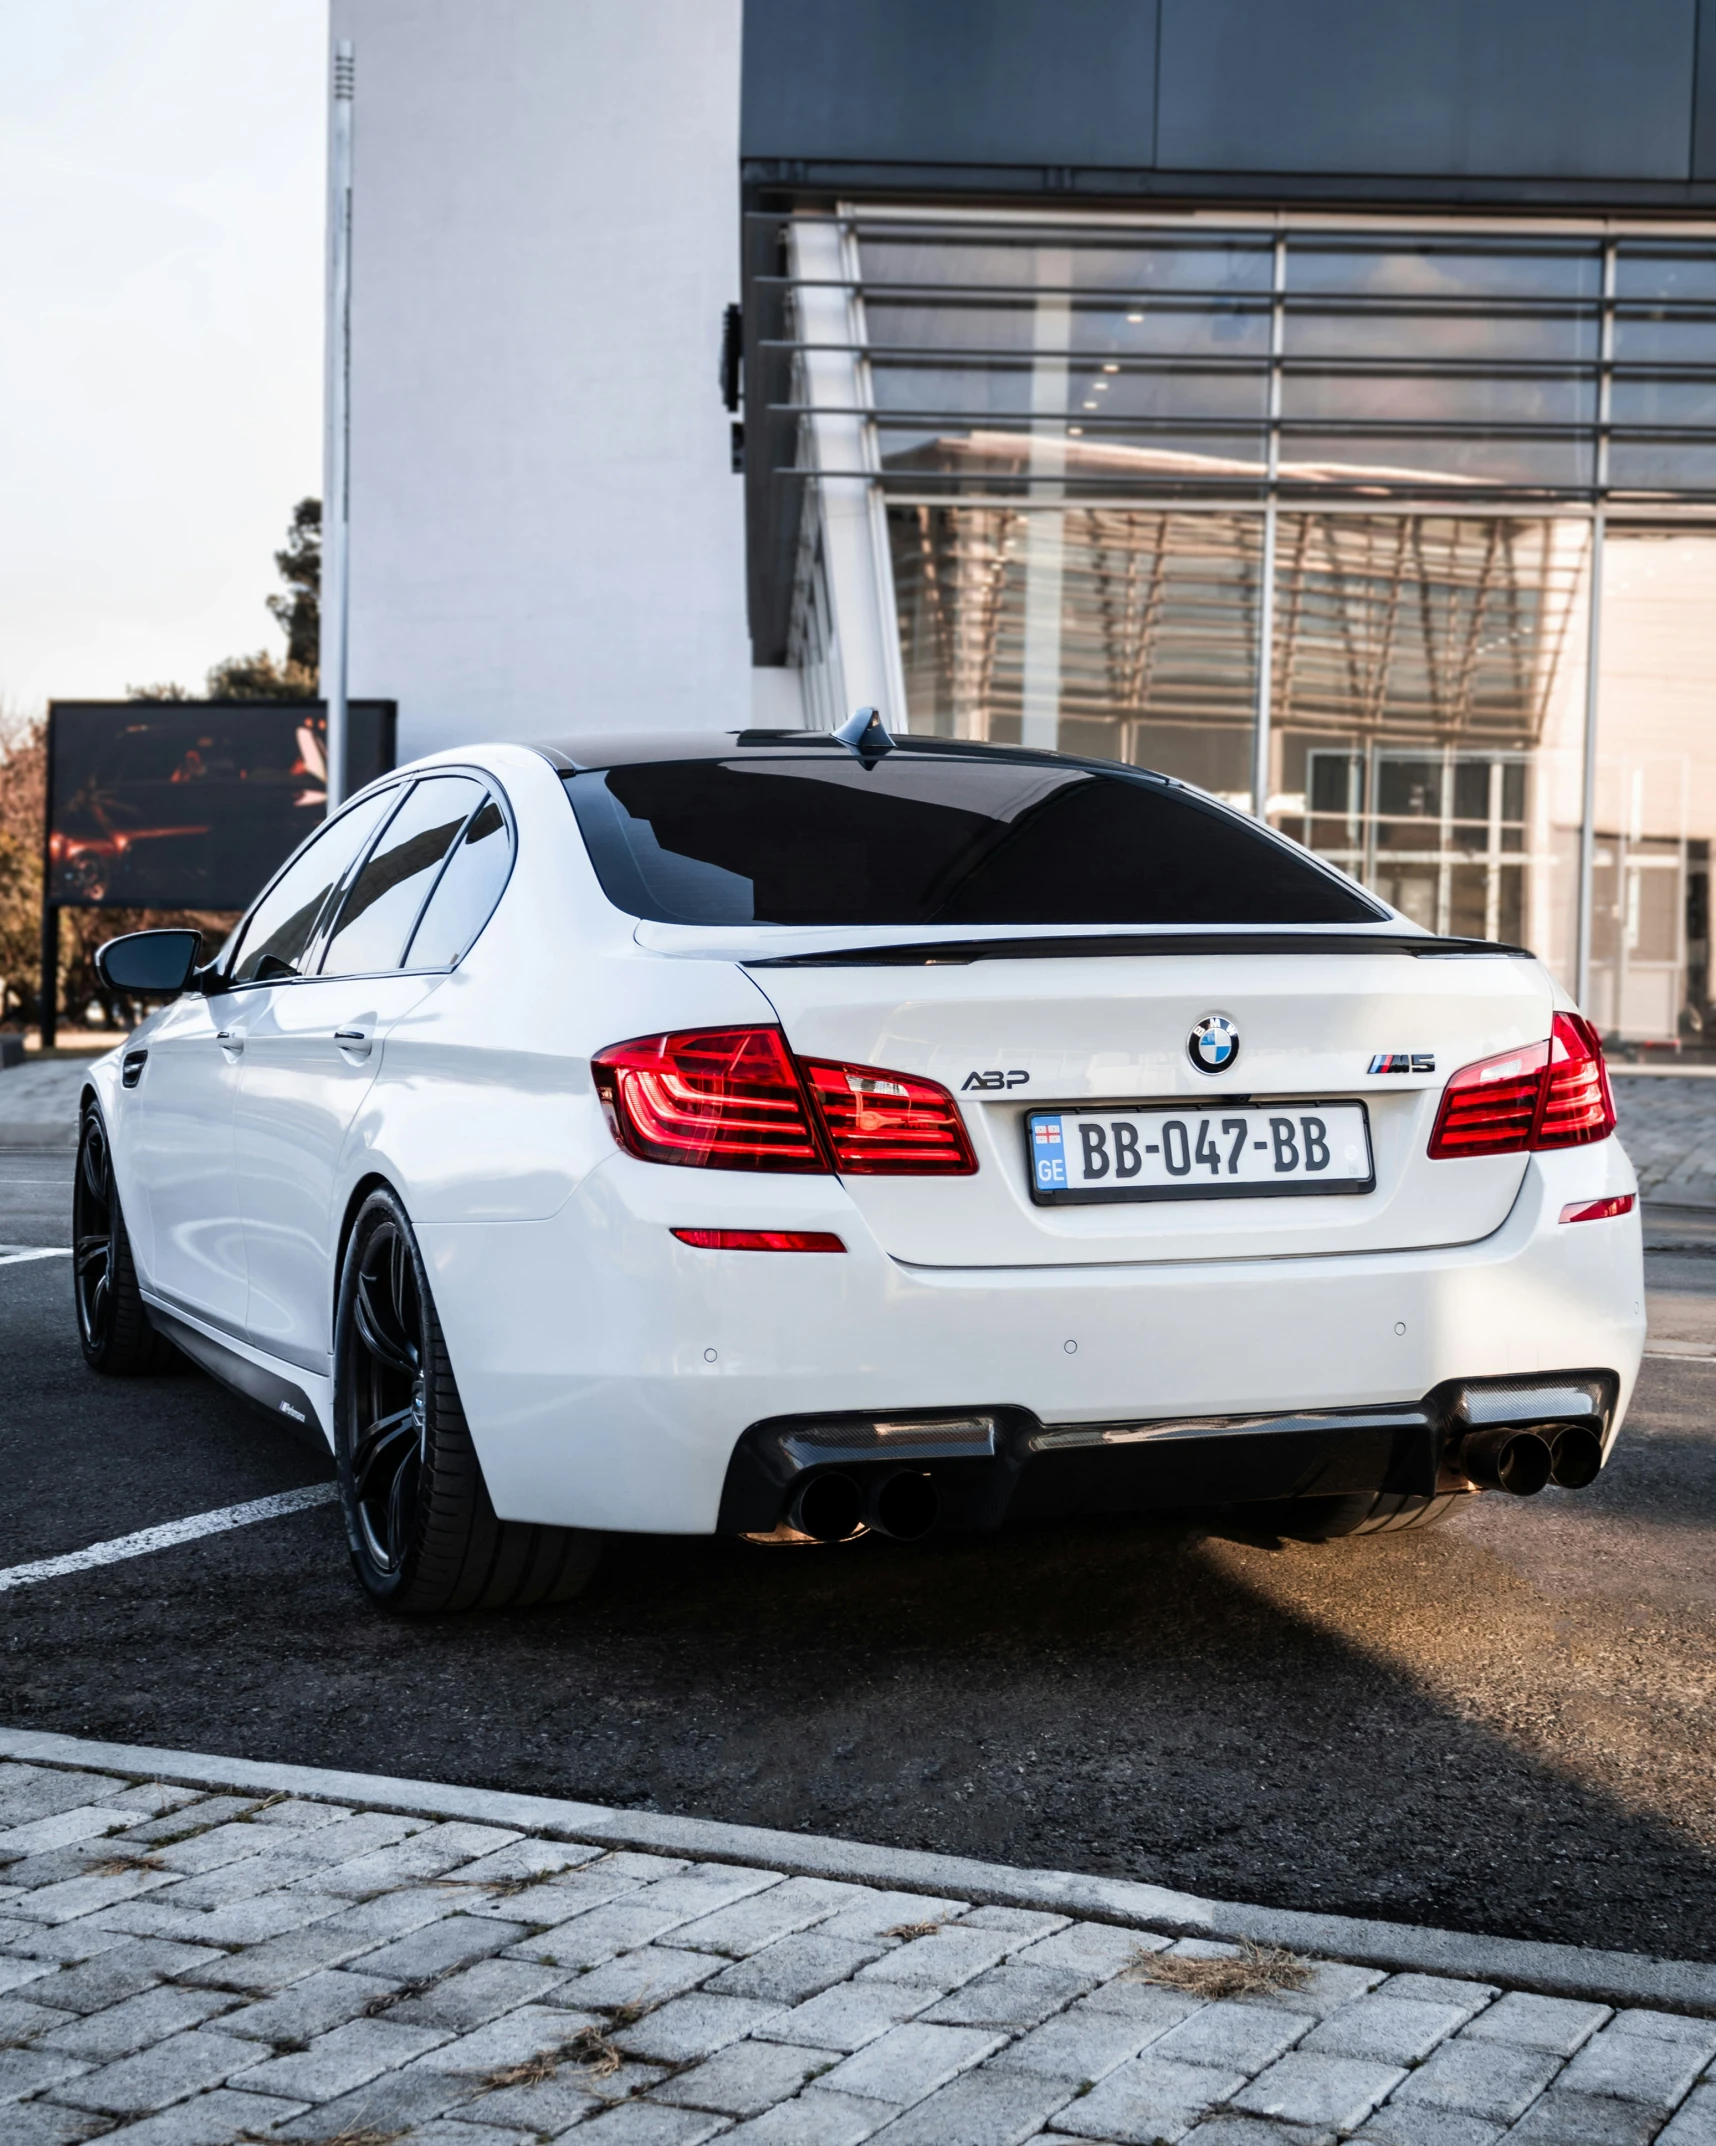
(733, 1099)
(1577, 1103)
(1546, 1095)
(1490, 1108)
(722, 1098)
(889, 1124)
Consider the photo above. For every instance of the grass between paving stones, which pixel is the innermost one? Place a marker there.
(499, 1888)
(363, 2135)
(1253, 1971)
(590, 2049)
(913, 1929)
(359, 2135)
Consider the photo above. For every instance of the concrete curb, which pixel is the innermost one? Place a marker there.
(1619, 1978)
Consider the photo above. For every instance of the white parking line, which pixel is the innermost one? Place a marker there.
(12, 1254)
(173, 1531)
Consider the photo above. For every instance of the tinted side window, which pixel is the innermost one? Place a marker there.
(283, 925)
(381, 904)
(466, 892)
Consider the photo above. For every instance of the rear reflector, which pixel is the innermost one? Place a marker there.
(1623, 1203)
(734, 1099)
(889, 1124)
(761, 1240)
(1544, 1095)
(722, 1098)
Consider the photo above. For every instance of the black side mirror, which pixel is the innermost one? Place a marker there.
(149, 964)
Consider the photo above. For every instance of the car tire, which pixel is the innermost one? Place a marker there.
(1384, 1512)
(113, 1327)
(423, 1533)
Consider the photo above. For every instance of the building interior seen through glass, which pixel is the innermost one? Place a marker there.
(1316, 511)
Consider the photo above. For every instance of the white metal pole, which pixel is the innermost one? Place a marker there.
(1585, 898)
(335, 519)
(1040, 679)
(1586, 904)
(1260, 741)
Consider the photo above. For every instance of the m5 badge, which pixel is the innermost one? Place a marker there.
(1403, 1062)
(994, 1080)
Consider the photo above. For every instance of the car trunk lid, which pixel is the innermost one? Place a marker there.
(1016, 1023)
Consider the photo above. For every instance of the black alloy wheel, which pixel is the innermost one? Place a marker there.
(112, 1326)
(423, 1533)
(389, 1421)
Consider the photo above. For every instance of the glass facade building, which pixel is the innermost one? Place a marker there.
(1400, 529)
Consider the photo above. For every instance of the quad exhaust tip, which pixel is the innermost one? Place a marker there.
(831, 1506)
(1503, 1458)
(1523, 1461)
(903, 1505)
(1575, 1457)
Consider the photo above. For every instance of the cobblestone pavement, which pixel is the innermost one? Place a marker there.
(1668, 1128)
(181, 1968)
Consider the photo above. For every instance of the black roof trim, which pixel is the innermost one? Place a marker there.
(585, 755)
(1106, 945)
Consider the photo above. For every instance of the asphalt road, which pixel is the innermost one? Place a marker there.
(1505, 1724)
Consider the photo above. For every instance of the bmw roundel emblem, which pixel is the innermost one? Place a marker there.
(1213, 1046)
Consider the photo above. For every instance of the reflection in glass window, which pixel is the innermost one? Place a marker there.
(283, 927)
(1400, 269)
(1656, 788)
(465, 893)
(1156, 641)
(1646, 399)
(1660, 337)
(1558, 462)
(382, 903)
(1083, 425)
(1566, 333)
(1646, 271)
(1428, 397)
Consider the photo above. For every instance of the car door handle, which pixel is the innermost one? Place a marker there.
(231, 1040)
(354, 1042)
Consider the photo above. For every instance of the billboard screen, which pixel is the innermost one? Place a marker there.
(191, 804)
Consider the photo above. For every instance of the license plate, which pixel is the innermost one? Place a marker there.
(1241, 1151)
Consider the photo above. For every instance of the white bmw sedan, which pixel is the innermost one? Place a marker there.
(793, 1134)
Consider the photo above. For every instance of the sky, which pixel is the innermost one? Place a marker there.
(161, 267)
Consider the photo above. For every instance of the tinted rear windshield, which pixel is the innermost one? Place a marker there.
(818, 838)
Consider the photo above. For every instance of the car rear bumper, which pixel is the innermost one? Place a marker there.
(989, 1465)
(610, 1372)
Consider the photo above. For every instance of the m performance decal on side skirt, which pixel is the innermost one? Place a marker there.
(252, 1382)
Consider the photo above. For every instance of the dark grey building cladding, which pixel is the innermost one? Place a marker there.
(950, 82)
(1522, 89)
(1578, 102)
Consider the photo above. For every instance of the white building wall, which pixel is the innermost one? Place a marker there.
(546, 534)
